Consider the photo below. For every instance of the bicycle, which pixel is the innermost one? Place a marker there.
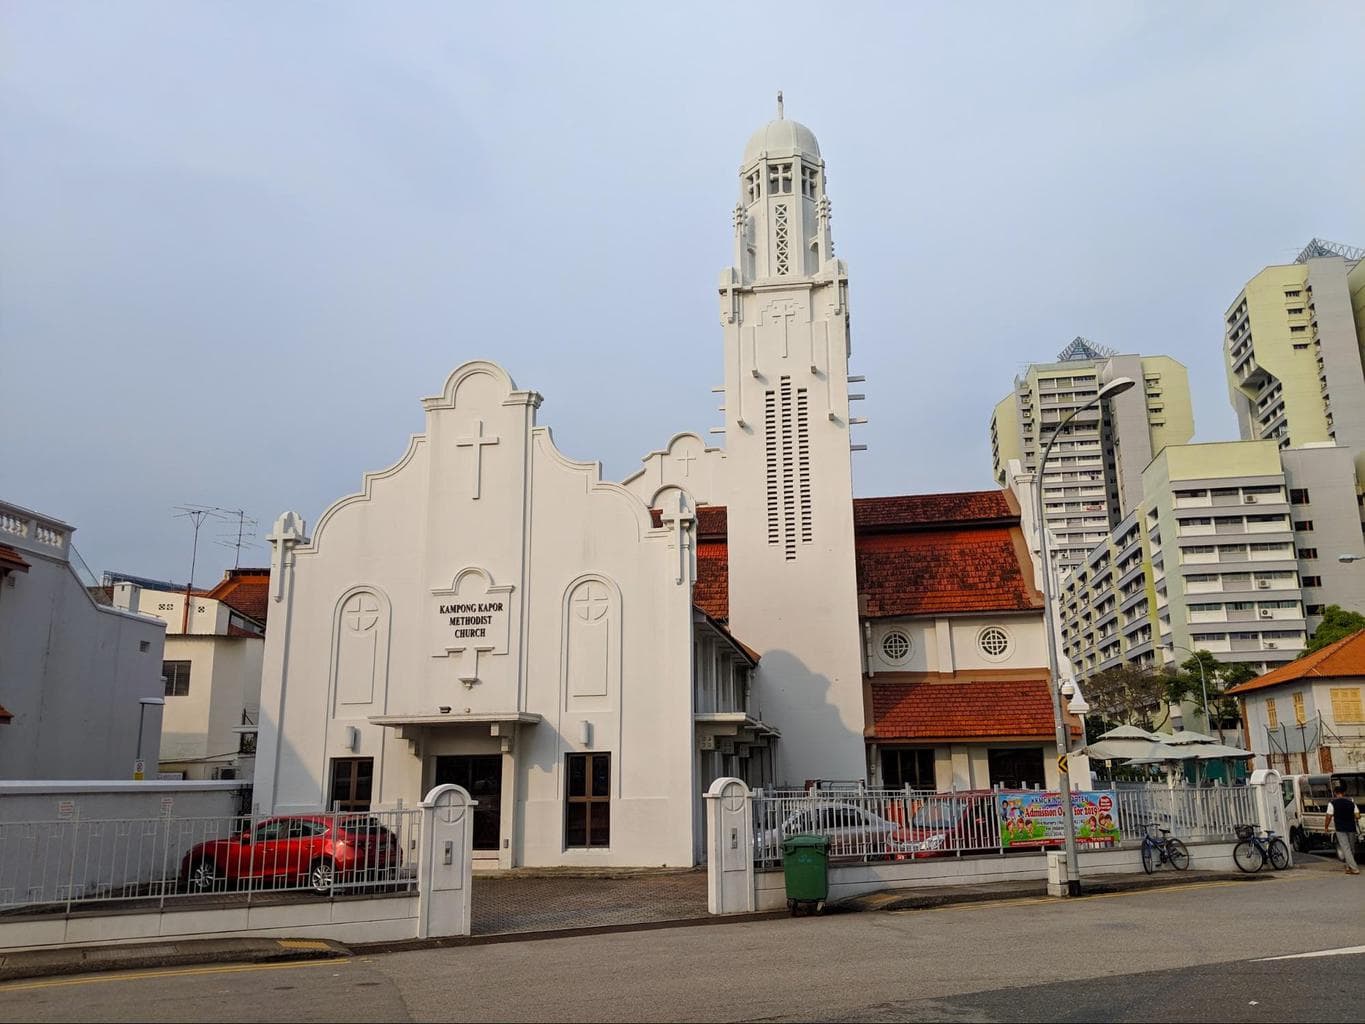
(1164, 850)
(1252, 850)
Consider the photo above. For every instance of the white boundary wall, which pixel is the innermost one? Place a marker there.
(846, 880)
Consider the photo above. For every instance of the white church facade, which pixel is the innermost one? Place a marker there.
(586, 656)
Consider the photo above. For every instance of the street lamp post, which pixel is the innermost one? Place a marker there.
(1348, 559)
(1203, 684)
(1073, 874)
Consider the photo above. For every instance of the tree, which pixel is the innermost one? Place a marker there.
(1336, 624)
(1219, 677)
(1126, 695)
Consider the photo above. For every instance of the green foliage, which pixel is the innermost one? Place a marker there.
(1336, 623)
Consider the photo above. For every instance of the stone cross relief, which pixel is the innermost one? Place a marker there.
(685, 460)
(678, 516)
(477, 440)
(783, 310)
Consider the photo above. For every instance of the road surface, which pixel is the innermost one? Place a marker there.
(1181, 953)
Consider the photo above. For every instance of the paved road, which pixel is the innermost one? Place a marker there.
(1170, 954)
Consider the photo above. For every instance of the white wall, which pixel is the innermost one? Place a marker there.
(950, 644)
(72, 671)
(540, 527)
(225, 679)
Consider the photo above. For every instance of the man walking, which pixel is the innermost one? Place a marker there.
(1341, 815)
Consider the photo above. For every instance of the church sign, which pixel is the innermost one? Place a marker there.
(470, 617)
(474, 621)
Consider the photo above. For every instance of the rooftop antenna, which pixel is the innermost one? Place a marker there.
(242, 537)
(779, 104)
(196, 514)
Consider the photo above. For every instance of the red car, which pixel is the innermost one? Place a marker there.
(322, 849)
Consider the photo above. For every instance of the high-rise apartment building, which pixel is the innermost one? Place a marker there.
(1094, 474)
(1232, 549)
(1292, 343)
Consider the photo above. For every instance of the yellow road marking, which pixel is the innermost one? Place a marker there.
(302, 944)
(176, 972)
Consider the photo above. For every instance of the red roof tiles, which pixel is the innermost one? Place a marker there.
(962, 710)
(940, 571)
(917, 554)
(902, 511)
(1342, 659)
(246, 591)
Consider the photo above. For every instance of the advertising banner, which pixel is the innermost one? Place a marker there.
(1034, 818)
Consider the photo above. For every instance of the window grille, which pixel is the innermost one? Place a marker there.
(782, 240)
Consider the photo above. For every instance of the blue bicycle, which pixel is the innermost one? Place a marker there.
(1162, 849)
(1252, 851)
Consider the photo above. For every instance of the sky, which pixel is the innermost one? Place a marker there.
(240, 241)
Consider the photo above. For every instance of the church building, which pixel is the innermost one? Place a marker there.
(586, 656)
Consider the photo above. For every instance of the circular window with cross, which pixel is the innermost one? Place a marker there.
(994, 643)
(896, 646)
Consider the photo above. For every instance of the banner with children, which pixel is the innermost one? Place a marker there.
(1034, 818)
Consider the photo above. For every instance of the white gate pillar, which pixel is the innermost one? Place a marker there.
(1268, 795)
(729, 847)
(445, 864)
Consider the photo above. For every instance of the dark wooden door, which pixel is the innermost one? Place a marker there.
(481, 775)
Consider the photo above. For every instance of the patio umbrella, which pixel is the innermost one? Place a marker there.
(1129, 732)
(1189, 736)
(1217, 751)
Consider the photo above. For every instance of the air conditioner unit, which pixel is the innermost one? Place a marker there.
(1262, 584)
(1266, 613)
(1270, 645)
(1249, 499)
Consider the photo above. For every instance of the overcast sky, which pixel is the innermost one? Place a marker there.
(240, 241)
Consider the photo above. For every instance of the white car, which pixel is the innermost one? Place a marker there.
(852, 831)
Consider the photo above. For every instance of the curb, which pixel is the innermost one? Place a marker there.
(76, 962)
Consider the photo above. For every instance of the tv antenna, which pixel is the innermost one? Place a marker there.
(240, 536)
(196, 514)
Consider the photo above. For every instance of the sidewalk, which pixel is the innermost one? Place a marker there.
(161, 955)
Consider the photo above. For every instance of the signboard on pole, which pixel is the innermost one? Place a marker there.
(139, 770)
(1033, 818)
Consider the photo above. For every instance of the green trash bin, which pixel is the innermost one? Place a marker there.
(805, 867)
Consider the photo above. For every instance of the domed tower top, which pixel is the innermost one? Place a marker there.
(782, 218)
(782, 138)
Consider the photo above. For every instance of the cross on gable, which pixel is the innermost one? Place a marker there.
(477, 440)
(686, 459)
(591, 602)
(677, 514)
(287, 532)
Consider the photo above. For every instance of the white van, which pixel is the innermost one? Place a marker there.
(1305, 805)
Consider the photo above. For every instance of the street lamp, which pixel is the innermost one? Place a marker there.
(1203, 683)
(1348, 559)
(1117, 386)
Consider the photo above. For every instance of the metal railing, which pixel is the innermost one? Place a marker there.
(1194, 812)
(906, 824)
(876, 824)
(65, 866)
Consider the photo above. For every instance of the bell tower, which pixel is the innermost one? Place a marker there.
(793, 585)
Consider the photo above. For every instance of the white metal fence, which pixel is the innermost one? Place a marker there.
(78, 865)
(902, 824)
(1195, 812)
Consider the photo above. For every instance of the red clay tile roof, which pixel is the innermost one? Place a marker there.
(246, 591)
(5, 716)
(952, 710)
(904, 511)
(712, 592)
(11, 560)
(1342, 659)
(911, 560)
(927, 572)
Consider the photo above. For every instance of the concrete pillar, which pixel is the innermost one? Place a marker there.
(729, 848)
(445, 865)
(1269, 801)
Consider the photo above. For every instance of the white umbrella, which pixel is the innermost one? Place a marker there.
(1188, 737)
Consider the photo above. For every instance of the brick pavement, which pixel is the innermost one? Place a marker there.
(529, 900)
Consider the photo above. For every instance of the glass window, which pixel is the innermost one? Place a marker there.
(352, 783)
(587, 808)
(177, 677)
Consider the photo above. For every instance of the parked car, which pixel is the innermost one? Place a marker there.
(319, 849)
(945, 824)
(852, 831)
